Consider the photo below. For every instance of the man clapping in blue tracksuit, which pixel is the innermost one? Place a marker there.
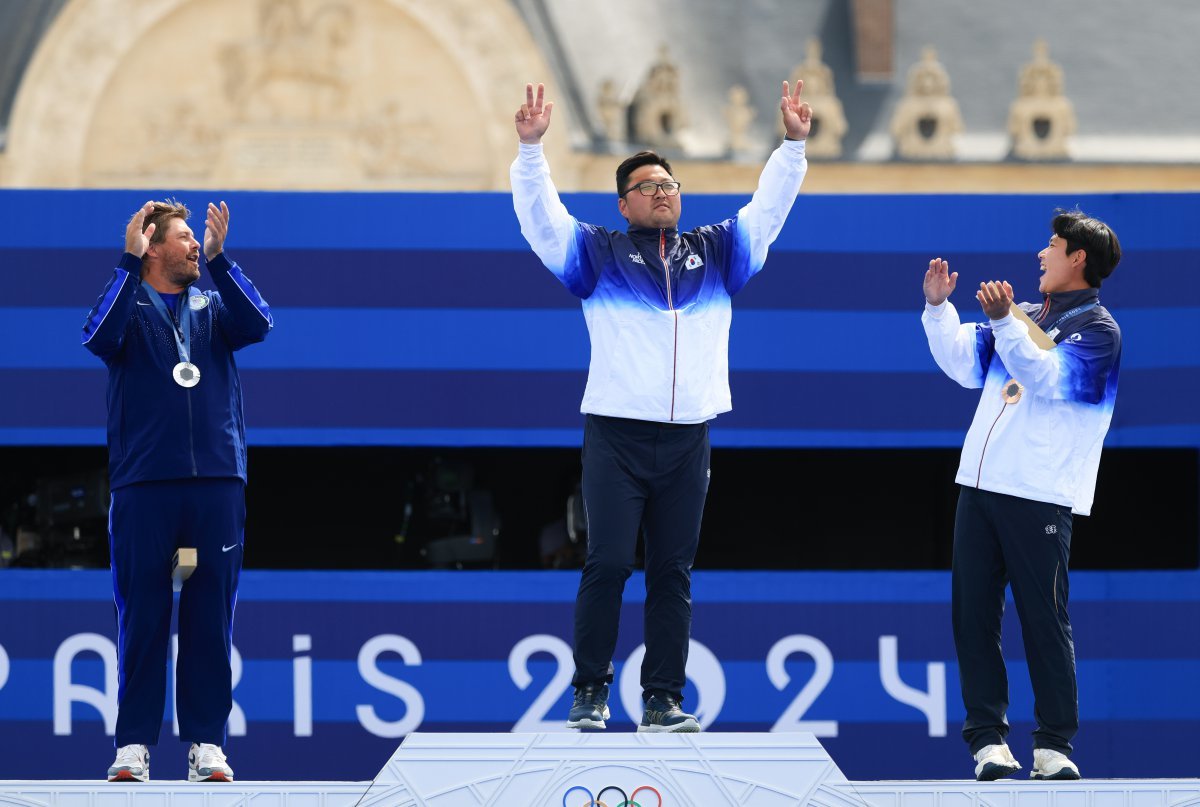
(177, 469)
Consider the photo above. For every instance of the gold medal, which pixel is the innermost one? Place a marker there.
(1011, 392)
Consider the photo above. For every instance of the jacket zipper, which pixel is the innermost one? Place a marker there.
(191, 425)
(662, 256)
(191, 434)
(983, 451)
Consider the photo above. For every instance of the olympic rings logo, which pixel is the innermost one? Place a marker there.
(626, 801)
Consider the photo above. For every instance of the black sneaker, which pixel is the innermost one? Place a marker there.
(663, 714)
(590, 709)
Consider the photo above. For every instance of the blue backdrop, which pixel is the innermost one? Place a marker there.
(424, 319)
(334, 668)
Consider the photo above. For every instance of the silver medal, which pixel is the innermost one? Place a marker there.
(186, 374)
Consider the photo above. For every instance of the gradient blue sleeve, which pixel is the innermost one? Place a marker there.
(1077, 369)
(571, 250)
(104, 329)
(242, 314)
(1088, 363)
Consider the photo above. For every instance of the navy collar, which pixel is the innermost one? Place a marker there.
(647, 232)
(1063, 301)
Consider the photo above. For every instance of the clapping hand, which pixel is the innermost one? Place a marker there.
(137, 241)
(939, 283)
(995, 298)
(216, 227)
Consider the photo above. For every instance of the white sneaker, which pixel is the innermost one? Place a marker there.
(131, 765)
(206, 763)
(1051, 764)
(995, 762)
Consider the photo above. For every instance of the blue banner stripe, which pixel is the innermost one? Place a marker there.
(499, 400)
(492, 278)
(1137, 641)
(530, 408)
(1137, 437)
(932, 223)
(540, 339)
(561, 586)
(1104, 628)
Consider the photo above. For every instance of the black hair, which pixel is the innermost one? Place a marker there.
(634, 163)
(1094, 237)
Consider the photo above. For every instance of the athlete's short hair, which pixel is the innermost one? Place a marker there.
(625, 169)
(1094, 237)
(162, 213)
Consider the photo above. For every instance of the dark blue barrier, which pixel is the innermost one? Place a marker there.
(334, 668)
(423, 319)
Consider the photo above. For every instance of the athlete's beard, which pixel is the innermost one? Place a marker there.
(182, 273)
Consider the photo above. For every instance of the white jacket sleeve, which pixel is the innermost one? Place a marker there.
(545, 222)
(760, 221)
(956, 347)
(1039, 370)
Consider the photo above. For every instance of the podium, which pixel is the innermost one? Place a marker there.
(709, 769)
(615, 769)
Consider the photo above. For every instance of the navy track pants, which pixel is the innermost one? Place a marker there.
(1001, 540)
(147, 523)
(655, 476)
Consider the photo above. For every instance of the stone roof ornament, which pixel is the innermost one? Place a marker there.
(927, 117)
(1041, 118)
(611, 111)
(829, 119)
(656, 113)
(738, 116)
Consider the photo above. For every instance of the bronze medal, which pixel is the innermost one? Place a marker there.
(1011, 392)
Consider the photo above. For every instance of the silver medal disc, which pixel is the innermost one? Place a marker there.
(186, 374)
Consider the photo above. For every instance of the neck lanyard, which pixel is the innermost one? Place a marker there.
(183, 330)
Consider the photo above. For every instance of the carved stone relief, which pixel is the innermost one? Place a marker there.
(285, 94)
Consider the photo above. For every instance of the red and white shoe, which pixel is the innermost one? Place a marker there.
(131, 765)
(206, 763)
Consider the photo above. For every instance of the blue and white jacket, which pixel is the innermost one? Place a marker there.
(1046, 446)
(656, 302)
(157, 429)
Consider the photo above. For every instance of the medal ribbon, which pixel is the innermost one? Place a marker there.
(1076, 311)
(183, 329)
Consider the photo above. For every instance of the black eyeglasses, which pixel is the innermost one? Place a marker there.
(651, 188)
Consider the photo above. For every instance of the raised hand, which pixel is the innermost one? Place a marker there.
(797, 115)
(995, 298)
(137, 241)
(216, 227)
(939, 282)
(533, 118)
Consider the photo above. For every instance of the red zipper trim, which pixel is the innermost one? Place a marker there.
(662, 256)
(1045, 310)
